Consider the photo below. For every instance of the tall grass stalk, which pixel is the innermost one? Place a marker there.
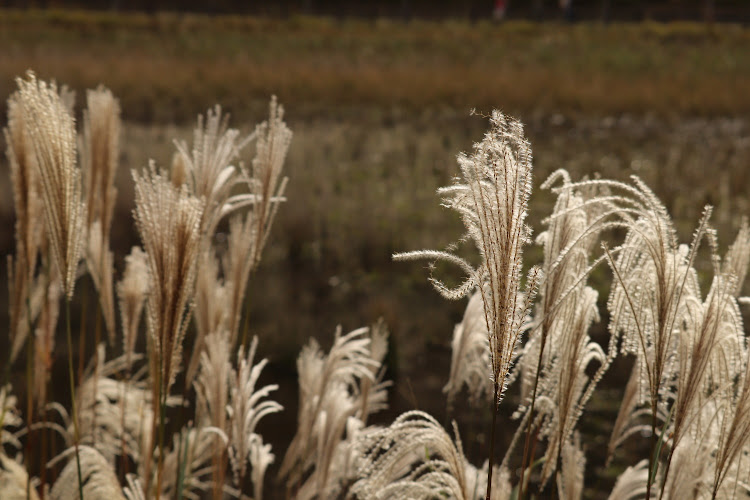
(71, 379)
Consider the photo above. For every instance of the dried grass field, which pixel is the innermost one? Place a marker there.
(378, 112)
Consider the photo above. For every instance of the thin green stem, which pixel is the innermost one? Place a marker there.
(76, 435)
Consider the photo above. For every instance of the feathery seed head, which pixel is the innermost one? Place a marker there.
(131, 292)
(99, 478)
(168, 220)
(492, 198)
(52, 131)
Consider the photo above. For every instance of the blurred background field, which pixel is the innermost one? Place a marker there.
(379, 109)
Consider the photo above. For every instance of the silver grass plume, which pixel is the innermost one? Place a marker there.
(737, 259)
(191, 450)
(115, 413)
(51, 128)
(13, 480)
(492, 199)
(416, 458)
(212, 394)
(134, 488)
(653, 279)
(709, 355)
(337, 456)
(734, 436)
(99, 161)
(557, 360)
(246, 408)
(206, 168)
(570, 478)
(210, 313)
(470, 355)
(248, 234)
(574, 356)
(631, 484)
(207, 173)
(132, 291)
(29, 226)
(330, 394)
(477, 482)
(212, 383)
(99, 479)
(689, 471)
(626, 422)
(168, 220)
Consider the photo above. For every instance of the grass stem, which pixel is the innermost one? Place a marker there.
(76, 435)
(492, 441)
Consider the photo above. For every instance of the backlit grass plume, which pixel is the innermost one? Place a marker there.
(248, 234)
(492, 199)
(52, 131)
(99, 160)
(246, 408)
(29, 223)
(168, 220)
(335, 389)
(100, 480)
(416, 458)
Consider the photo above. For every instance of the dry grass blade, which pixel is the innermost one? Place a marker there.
(247, 408)
(734, 438)
(99, 480)
(192, 450)
(13, 481)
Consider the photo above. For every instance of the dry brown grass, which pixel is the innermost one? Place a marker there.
(171, 67)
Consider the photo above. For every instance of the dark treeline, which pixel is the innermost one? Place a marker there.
(606, 10)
